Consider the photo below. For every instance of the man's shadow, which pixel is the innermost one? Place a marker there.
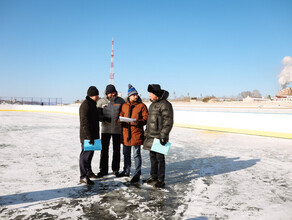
(181, 175)
(80, 191)
(185, 171)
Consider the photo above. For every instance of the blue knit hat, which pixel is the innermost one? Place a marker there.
(131, 90)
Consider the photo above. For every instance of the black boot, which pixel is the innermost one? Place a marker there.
(122, 174)
(101, 174)
(135, 179)
(87, 181)
(150, 180)
(92, 175)
(159, 184)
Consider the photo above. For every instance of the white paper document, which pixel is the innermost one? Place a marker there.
(124, 119)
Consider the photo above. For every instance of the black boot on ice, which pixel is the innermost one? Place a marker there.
(87, 181)
(122, 174)
(135, 179)
(150, 180)
(159, 184)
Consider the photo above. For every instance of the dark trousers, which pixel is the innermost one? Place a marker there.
(85, 162)
(105, 141)
(157, 161)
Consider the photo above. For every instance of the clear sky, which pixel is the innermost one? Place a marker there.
(58, 48)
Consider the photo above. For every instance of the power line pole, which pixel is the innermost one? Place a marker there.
(112, 75)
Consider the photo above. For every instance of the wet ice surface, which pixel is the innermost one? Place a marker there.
(209, 175)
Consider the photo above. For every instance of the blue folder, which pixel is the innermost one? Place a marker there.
(90, 147)
(159, 148)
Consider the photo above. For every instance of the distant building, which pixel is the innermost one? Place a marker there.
(285, 92)
(252, 99)
(284, 95)
(283, 98)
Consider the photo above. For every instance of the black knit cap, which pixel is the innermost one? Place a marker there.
(110, 89)
(155, 89)
(92, 91)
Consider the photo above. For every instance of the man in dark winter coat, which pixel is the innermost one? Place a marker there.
(110, 106)
(159, 125)
(89, 130)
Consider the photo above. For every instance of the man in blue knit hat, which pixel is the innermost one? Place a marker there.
(133, 132)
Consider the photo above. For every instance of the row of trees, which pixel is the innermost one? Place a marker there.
(254, 94)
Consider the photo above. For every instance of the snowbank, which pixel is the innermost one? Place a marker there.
(66, 109)
(254, 123)
(272, 123)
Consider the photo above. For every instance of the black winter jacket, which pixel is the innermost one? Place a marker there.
(89, 120)
(160, 121)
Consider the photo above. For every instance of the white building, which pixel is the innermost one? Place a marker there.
(251, 99)
(287, 98)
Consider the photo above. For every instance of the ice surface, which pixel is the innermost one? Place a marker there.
(209, 175)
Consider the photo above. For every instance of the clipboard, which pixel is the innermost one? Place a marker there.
(159, 148)
(90, 147)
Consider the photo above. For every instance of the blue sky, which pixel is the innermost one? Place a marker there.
(58, 48)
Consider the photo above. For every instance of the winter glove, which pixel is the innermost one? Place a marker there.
(137, 123)
(106, 119)
(91, 141)
(163, 141)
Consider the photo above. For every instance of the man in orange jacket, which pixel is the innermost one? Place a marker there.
(133, 133)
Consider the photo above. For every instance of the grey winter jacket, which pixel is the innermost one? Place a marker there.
(160, 121)
(111, 109)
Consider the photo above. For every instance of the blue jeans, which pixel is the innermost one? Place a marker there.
(137, 159)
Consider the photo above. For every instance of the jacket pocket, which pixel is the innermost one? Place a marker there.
(157, 124)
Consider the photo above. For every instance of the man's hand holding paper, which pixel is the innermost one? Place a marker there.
(125, 119)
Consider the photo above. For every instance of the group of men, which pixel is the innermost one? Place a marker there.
(158, 121)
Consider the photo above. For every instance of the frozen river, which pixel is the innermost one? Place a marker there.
(209, 175)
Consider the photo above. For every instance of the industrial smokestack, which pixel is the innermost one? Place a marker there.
(285, 76)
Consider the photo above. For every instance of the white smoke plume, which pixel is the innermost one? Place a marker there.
(285, 76)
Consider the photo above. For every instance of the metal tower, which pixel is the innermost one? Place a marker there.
(112, 75)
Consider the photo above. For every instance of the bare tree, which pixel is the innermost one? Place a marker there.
(174, 95)
(244, 94)
(256, 93)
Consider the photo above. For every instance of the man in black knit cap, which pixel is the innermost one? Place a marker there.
(89, 130)
(110, 107)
